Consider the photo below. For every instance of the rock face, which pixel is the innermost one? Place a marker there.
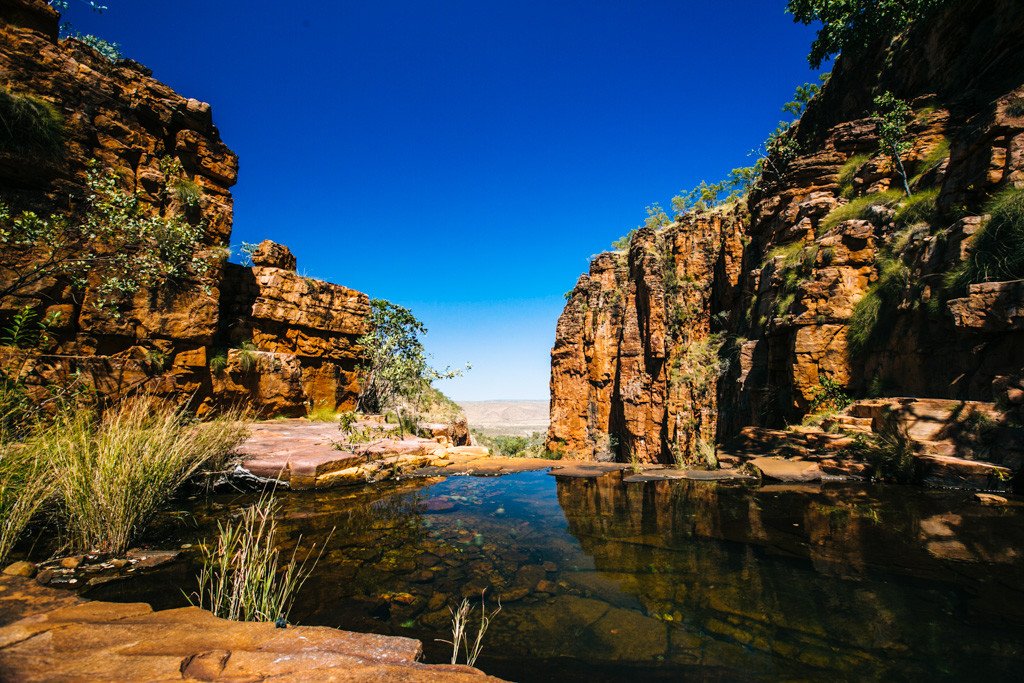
(277, 341)
(735, 317)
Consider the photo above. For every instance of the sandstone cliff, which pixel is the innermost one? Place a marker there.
(275, 340)
(734, 317)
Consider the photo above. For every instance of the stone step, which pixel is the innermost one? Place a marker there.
(944, 471)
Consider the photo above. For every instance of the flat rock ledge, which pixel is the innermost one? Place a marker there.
(307, 455)
(53, 635)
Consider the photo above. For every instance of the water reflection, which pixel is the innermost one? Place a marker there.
(604, 580)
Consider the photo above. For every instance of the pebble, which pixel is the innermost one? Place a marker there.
(70, 562)
(26, 569)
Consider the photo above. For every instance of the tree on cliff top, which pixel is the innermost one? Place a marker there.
(396, 363)
(853, 25)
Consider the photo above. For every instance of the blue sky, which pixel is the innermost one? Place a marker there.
(465, 158)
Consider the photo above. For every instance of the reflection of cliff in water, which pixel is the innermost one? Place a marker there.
(778, 579)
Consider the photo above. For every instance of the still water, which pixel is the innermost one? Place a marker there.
(602, 580)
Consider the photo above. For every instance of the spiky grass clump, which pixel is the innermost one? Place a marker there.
(29, 125)
(848, 172)
(871, 321)
(919, 208)
(25, 484)
(889, 452)
(112, 474)
(997, 249)
(242, 578)
(857, 208)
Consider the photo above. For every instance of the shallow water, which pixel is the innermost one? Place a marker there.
(603, 580)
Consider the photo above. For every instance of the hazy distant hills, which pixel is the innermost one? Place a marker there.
(507, 417)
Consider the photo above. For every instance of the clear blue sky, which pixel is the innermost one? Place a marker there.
(465, 158)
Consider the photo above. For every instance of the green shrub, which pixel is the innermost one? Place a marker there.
(29, 125)
(848, 172)
(219, 362)
(830, 396)
(112, 474)
(997, 249)
(889, 452)
(857, 209)
(919, 208)
(241, 577)
(873, 315)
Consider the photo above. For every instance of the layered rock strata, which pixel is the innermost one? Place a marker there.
(764, 293)
(261, 335)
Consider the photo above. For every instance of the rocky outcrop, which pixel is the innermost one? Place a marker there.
(262, 335)
(48, 635)
(761, 296)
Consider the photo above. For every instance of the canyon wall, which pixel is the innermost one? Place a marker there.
(736, 316)
(276, 341)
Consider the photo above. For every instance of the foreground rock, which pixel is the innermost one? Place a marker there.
(49, 635)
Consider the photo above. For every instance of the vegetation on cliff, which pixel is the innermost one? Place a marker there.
(396, 364)
(113, 243)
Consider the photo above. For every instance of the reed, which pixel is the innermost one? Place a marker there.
(242, 578)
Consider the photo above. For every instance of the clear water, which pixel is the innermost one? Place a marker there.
(668, 580)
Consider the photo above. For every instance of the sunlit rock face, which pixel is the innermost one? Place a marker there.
(304, 331)
(779, 282)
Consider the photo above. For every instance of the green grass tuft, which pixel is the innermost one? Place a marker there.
(873, 315)
(857, 209)
(25, 484)
(242, 578)
(919, 208)
(29, 125)
(997, 249)
(112, 474)
(848, 172)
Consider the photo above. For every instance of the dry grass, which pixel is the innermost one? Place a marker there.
(25, 484)
(242, 578)
(460, 624)
(111, 475)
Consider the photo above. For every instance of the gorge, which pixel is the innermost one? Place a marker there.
(786, 434)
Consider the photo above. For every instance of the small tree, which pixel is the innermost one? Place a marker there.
(396, 363)
(892, 116)
(853, 25)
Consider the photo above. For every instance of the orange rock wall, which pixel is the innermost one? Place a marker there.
(774, 289)
(117, 114)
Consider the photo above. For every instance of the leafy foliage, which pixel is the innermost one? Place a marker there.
(803, 95)
(830, 396)
(892, 115)
(396, 365)
(853, 25)
(112, 243)
(997, 250)
(111, 51)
